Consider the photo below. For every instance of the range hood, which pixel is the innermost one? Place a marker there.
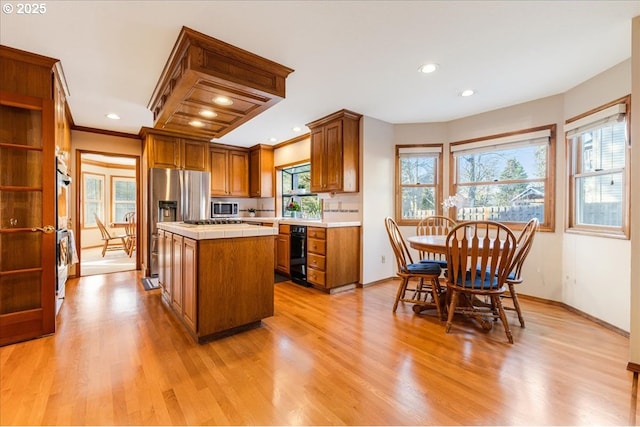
(202, 69)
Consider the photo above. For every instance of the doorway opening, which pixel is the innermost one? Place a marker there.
(107, 212)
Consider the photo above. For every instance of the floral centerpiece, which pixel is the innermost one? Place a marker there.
(293, 206)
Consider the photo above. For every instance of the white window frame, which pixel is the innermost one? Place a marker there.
(90, 222)
(533, 136)
(600, 117)
(418, 150)
(114, 202)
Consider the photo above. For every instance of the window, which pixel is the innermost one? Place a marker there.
(599, 164)
(506, 178)
(419, 182)
(123, 197)
(297, 200)
(93, 199)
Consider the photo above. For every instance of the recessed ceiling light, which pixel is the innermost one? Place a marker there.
(113, 116)
(297, 129)
(207, 113)
(272, 139)
(467, 92)
(196, 123)
(428, 68)
(222, 100)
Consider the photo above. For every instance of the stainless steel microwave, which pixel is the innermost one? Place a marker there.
(224, 209)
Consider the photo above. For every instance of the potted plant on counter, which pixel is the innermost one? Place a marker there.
(294, 208)
(252, 212)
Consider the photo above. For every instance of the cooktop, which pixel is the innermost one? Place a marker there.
(213, 221)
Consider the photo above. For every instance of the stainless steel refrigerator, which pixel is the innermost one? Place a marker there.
(175, 195)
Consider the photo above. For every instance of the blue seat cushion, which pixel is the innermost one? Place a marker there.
(477, 283)
(441, 262)
(424, 268)
(511, 276)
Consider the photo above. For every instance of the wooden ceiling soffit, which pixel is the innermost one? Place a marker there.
(200, 69)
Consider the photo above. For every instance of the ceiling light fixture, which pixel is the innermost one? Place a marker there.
(222, 100)
(428, 68)
(296, 129)
(467, 92)
(272, 139)
(196, 123)
(113, 116)
(207, 113)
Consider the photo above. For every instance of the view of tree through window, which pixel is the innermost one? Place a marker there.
(297, 200)
(502, 182)
(123, 193)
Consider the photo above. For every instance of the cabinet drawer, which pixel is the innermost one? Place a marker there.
(316, 261)
(316, 246)
(284, 229)
(316, 233)
(315, 276)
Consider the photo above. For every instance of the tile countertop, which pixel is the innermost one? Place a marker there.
(299, 221)
(216, 231)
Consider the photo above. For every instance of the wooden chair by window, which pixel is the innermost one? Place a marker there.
(130, 231)
(436, 225)
(111, 242)
(479, 255)
(525, 240)
(427, 289)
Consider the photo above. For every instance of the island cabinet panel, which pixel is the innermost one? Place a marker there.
(333, 257)
(176, 272)
(189, 283)
(335, 142)
(235, 283)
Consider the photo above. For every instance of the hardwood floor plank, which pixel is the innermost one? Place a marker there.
(120, 357)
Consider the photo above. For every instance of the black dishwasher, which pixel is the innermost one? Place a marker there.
(298, 254)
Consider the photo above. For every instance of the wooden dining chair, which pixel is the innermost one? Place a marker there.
(525, 240)
(435, 225)
(110, 242)
(426, 290)
(130, 231)
(479, 256)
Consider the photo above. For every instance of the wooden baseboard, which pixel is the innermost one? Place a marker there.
(377, 282)
(581, 313)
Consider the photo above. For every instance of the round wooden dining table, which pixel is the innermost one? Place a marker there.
(429, 243)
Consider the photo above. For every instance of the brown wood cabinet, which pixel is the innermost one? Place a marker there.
(261, 171)
(28, 134)
(333, 256)
(166, 150)
(282, 250)
(176, 272)
(164, 263)
(335, 142)
(190, 283)
(229, 172)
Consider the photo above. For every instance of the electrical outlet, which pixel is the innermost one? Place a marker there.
(383, 259)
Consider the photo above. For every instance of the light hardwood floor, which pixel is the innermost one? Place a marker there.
(120, 358)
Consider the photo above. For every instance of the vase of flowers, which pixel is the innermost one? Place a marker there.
(252, 212)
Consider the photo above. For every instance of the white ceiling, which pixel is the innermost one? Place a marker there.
(359, 55)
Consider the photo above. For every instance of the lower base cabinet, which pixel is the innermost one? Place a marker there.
(189, 283)
(282, 250)
(333, 257)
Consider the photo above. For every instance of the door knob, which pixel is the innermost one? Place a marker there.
(47, 229)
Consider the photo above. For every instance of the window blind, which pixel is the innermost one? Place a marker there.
(512, 141)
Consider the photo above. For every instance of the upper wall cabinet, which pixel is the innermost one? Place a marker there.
(261, 171)
(166, 150)
(229, 172)
(209, 87)
(335, 142)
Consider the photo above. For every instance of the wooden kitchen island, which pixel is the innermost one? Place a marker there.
(217, 279)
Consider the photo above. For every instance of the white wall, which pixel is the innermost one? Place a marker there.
(634, 353)
(377, 171)
(596, 271)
